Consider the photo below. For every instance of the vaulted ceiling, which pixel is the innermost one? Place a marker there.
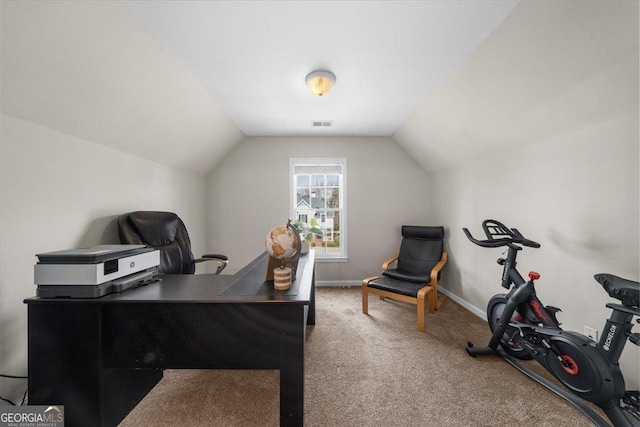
(181, 83)
(388, 56)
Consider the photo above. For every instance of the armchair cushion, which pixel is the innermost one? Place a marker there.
(397, 275)
(409, 289)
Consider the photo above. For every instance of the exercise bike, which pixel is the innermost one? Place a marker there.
(526, 329)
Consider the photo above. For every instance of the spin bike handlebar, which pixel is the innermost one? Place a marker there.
(500, 235)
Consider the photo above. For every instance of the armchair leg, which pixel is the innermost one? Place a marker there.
(420, 313)
(424, 300)
(365, 293)
(425, 295)
(365, 299)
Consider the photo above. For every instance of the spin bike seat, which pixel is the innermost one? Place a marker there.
(627, 291)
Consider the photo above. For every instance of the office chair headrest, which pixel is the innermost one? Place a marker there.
(155, 228)
(423, 232)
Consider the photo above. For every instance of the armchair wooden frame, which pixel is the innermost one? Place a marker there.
(427, 296)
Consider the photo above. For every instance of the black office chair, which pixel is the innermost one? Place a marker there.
(164, 231)
(415, 279)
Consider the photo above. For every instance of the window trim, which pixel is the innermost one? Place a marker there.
(342, 161)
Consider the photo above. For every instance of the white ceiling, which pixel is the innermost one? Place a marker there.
(253, 56)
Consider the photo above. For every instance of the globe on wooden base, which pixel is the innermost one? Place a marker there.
(283, 245)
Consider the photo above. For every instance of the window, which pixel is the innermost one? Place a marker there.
(318, 204)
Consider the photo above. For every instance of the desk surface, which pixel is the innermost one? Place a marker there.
(246, 286)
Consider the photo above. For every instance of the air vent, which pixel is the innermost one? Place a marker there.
(322, 124)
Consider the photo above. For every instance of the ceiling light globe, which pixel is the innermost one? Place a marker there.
(320, 82)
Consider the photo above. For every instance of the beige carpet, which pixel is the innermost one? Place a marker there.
(374, 370)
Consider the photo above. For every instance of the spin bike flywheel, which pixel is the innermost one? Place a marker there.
(572, 366)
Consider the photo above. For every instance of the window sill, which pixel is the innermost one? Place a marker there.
(331, 259)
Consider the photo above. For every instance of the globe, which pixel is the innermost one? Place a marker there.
(281, 242)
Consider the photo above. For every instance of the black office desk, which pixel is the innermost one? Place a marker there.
(100, 357)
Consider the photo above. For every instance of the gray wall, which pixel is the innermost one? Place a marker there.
(577, 195)
(61, 192)
(248, 194)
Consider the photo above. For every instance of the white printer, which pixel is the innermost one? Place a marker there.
(96, 271)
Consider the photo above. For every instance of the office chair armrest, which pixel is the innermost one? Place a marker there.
(437, 268)
(212, 256)
(388, 262)
(222, 259)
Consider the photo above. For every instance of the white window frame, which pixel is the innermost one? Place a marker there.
(319, 161)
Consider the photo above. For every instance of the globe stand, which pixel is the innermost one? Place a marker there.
(282, 278)
(277, 268)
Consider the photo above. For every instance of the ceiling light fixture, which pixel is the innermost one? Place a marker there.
(320, 82)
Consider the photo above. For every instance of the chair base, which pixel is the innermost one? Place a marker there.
(425, 299)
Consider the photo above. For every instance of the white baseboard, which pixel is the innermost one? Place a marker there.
(339, 283)
(472, 308)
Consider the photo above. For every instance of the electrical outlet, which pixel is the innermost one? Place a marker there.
(591, 333)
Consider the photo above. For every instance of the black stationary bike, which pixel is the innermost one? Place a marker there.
(527, 329)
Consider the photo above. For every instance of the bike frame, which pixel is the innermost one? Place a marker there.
(535, 312)
(537, 332)
(522, 299)
(616, 331)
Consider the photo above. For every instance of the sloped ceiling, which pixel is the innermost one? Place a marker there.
(92, 70)
(448, 80)
(551, 67)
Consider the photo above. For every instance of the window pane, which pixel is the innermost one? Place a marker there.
(317, 198)
(302, 180)
(333, 180)
(303, 192)
(333, 198)
(317, 180)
